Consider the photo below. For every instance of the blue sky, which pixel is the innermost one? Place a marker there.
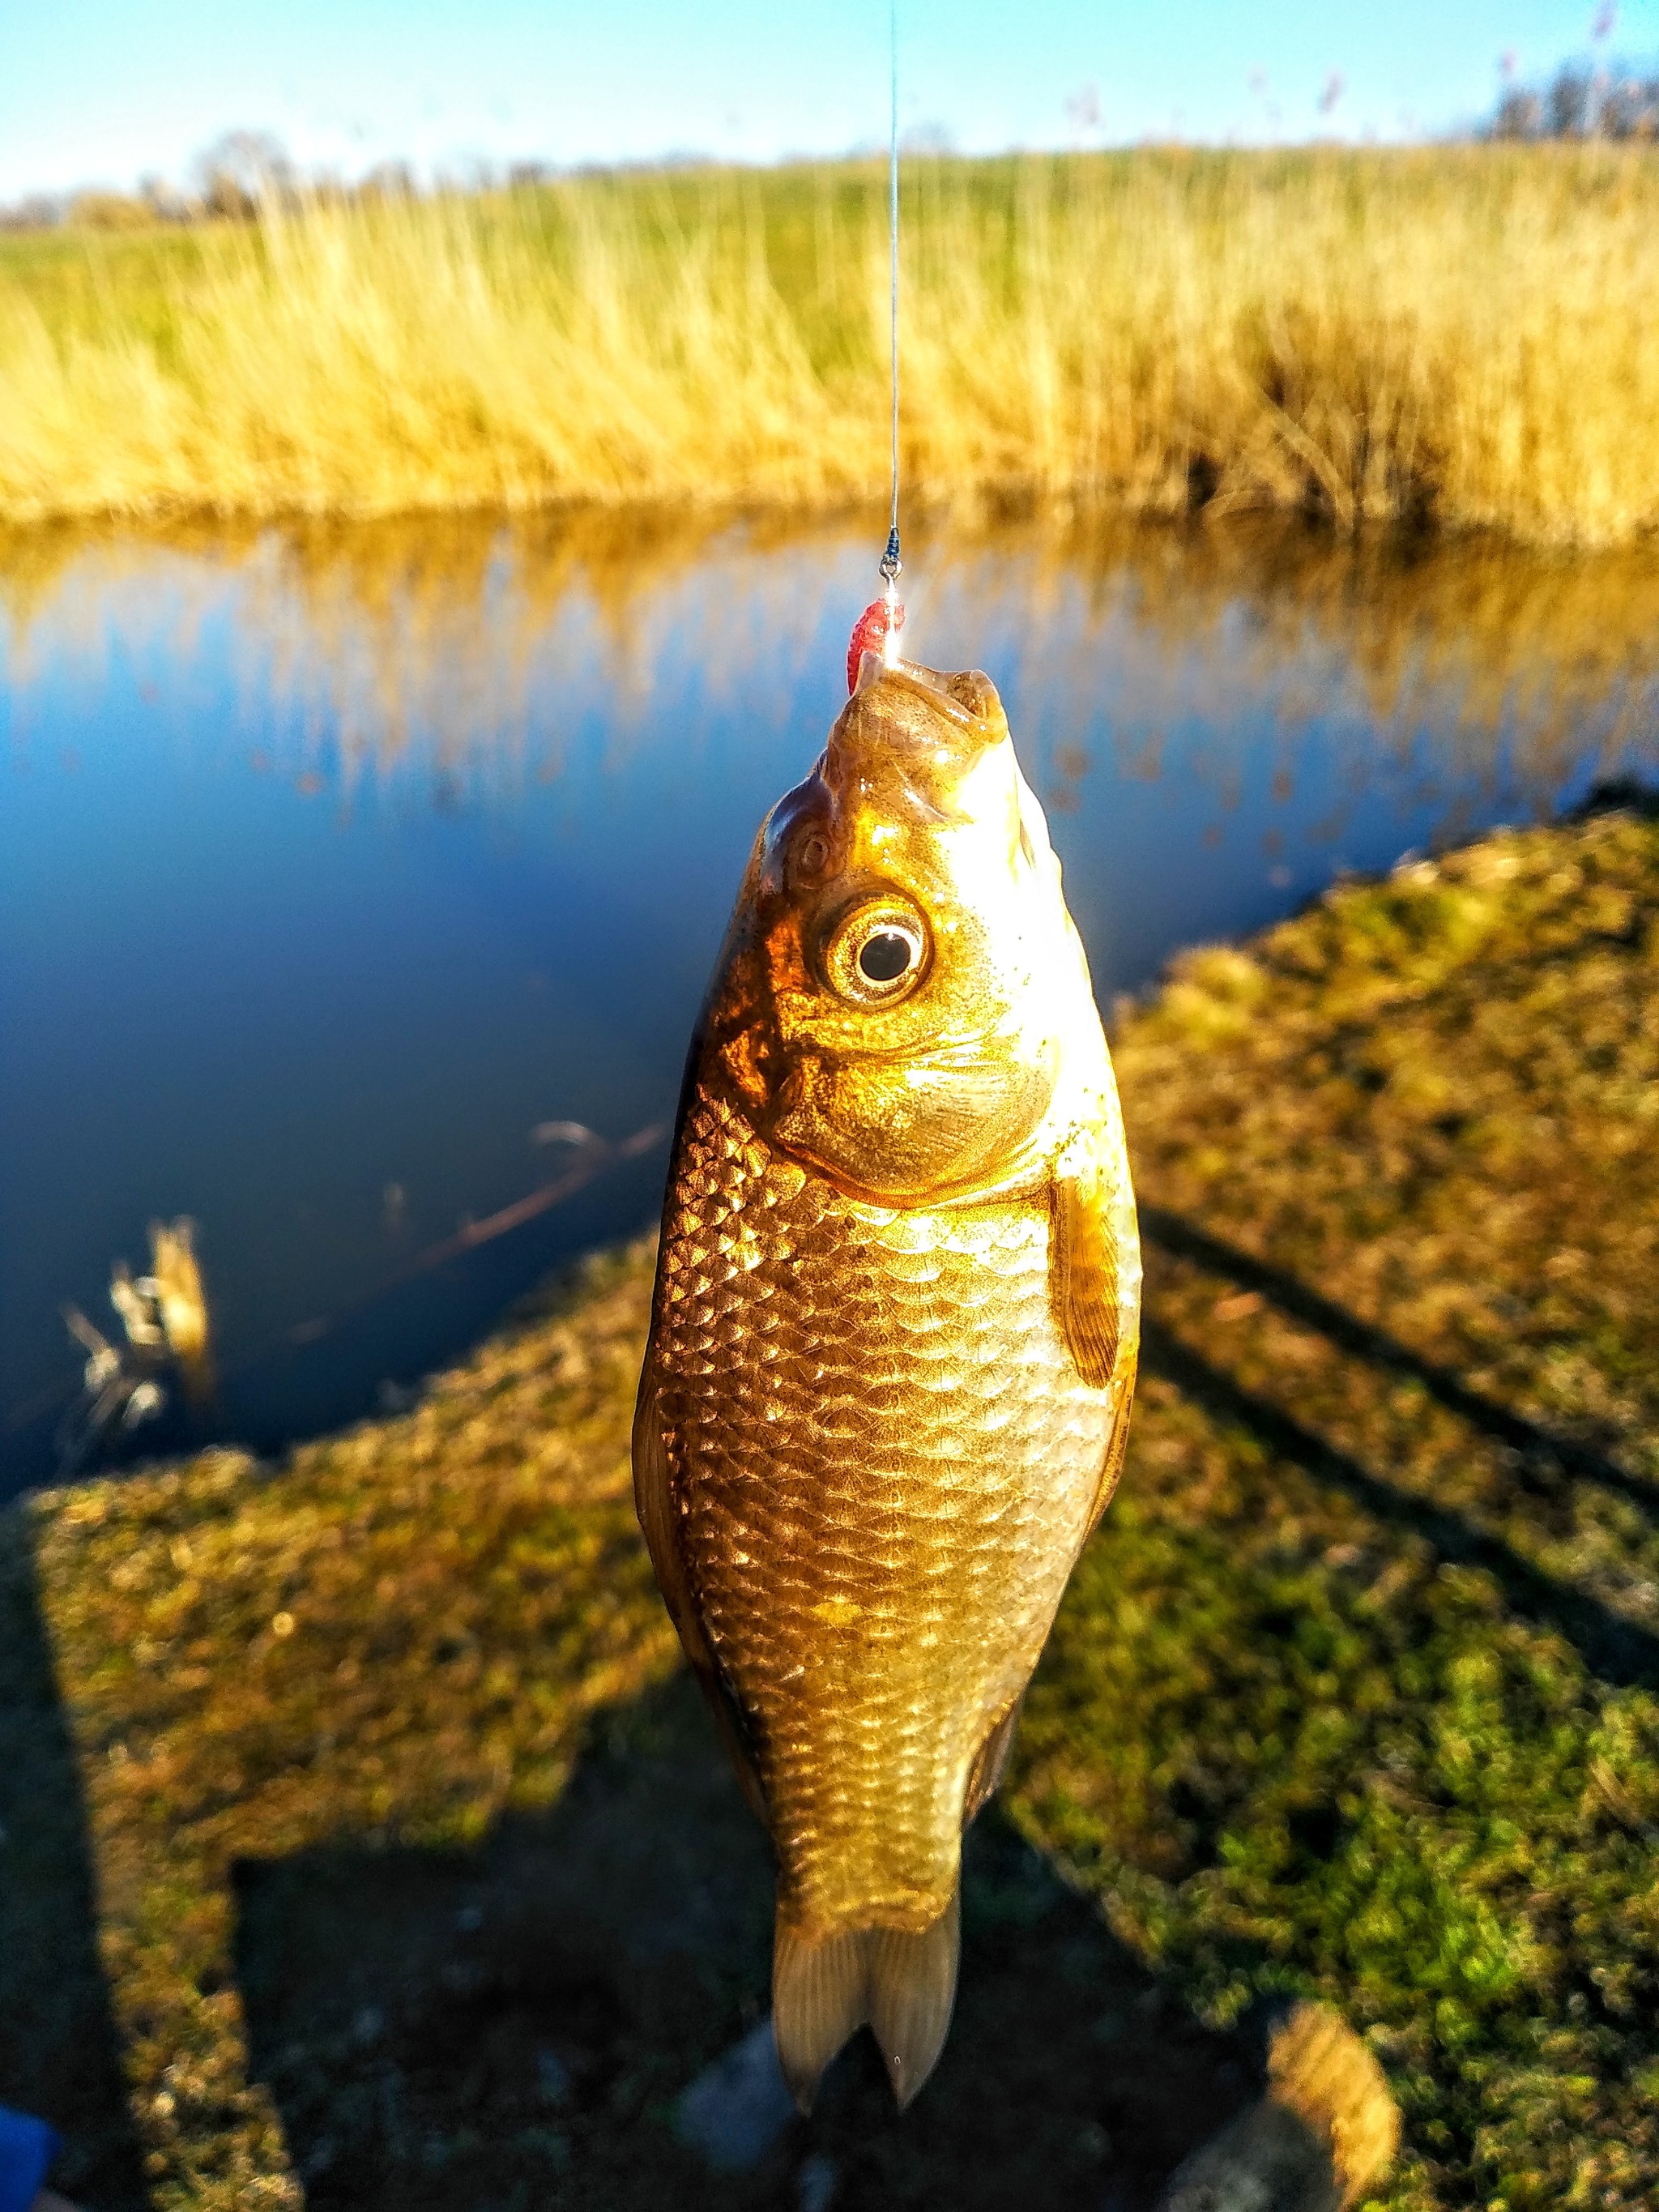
(102, 90)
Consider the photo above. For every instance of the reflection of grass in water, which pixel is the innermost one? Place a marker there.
(433, 635)
(1463, 332)
(1350, 1694)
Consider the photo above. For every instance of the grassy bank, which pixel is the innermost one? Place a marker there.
(1467, 333)
(419, 1878)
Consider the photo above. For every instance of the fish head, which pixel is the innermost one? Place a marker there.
(900, 975)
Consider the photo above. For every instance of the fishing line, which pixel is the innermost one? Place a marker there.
(890, 563)
(877, 629)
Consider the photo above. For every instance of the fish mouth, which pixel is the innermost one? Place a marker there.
(910, 739)
(966, 697)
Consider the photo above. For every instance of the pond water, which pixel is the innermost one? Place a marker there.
(336, 863)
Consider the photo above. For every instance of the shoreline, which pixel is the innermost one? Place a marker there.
(1355, 1695)
(989, 504)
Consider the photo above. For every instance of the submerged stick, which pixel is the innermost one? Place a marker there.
(471, 1234)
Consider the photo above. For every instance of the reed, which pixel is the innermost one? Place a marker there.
(1466, 334)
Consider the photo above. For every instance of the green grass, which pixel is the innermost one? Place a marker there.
(417, 1873)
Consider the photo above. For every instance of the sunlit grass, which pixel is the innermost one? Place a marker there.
(1467, 333)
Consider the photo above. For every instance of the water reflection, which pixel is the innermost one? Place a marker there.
(336, 862)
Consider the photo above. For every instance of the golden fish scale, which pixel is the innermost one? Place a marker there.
(883, 1463)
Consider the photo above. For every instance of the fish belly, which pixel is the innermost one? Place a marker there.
(884, 1463)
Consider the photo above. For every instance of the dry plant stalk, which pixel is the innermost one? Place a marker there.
(1461, 332)
(1323, 2135)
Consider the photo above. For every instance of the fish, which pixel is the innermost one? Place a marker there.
(886, 1391)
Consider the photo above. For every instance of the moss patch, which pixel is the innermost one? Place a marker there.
(418, 1878)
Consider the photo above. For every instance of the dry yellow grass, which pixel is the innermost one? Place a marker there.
(1470, 333)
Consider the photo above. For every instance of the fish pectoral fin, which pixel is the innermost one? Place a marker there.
(1082, 1275)
(990, 1761)
(654, 1502)
(1118, 1445)
(824, 1987)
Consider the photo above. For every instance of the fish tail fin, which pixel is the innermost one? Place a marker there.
(819, 1998)
(912, 1993)
(825, 1987)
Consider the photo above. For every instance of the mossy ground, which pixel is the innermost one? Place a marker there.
(419, 1878)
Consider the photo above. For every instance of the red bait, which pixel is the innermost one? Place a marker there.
(869, 634)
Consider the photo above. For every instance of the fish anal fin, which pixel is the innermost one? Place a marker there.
(913, 1992)
(654, 1502)
(1083, 1273)
(990, 1761)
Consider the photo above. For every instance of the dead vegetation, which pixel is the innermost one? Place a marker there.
(1465, 334)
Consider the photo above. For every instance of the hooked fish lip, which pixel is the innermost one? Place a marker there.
(966, 697)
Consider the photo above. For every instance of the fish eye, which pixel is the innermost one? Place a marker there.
(876, 953)
(885, 956)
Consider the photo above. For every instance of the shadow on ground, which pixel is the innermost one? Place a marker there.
(57, 2045)
(512, 2027)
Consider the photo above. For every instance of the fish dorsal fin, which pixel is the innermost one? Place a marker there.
(1083, 1270)
(654, 1502)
